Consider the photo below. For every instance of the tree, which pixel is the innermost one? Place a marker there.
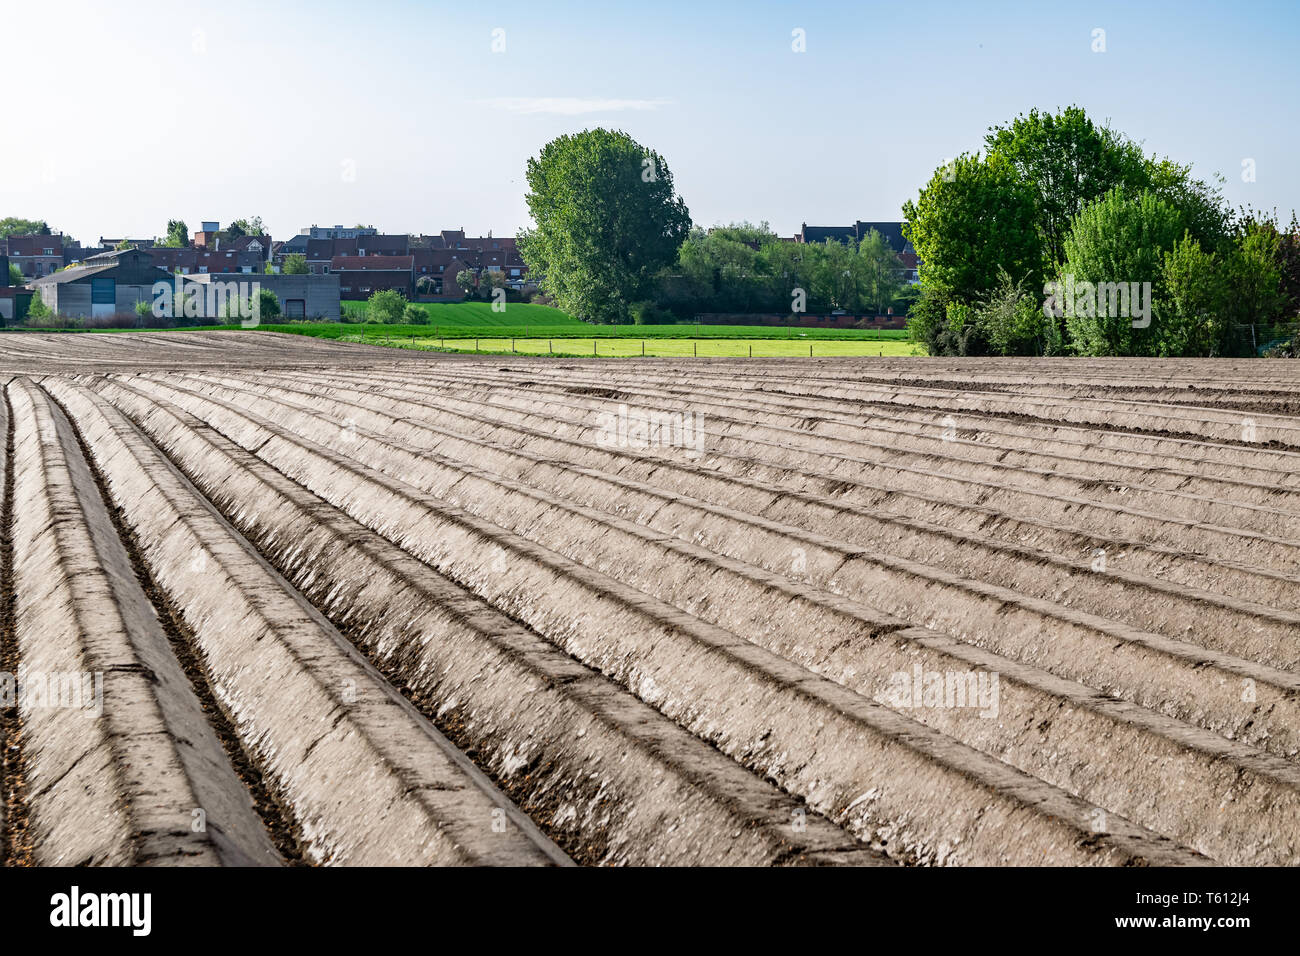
(14, 226)
(489, 281)
(1190, 312)
(252, 226)
(178, 234)
(1011, 319)
(975, 219)
(16, 276)
(268, 305)
(881, 272)
(1116, 247)
(386, 306)
(295, 264)
(607, 219)
(38, 309)
(1069, 162)
(467, 281)
(1253, 277)
(124, 245)
(836, 275)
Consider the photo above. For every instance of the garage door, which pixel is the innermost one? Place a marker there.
(103, 296)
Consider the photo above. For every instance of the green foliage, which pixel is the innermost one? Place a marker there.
(386, 306)
(15, 226)
(647, 313)
(38, 309)
(975, 219)
(295, 265)
(268, 305)
(178, 234)
(16, 276)
(1190, 315)
(467, 281)
(1102, 212)
(607, 220)
(748, 269)
(143, 309)
(927, 320)
(1116, 240)
(1253, 276)
(414, 315)
(1012, 321)
(1069, 162)
(251, 226)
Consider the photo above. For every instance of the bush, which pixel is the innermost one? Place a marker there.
(1011, 320)
(414, 315)
(386, 306)
(927, 321)
(37, 310)
(647, 313)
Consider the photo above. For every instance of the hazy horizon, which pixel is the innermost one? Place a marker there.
(399, 114)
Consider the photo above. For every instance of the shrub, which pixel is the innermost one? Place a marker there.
(414, 315)
(647, 313)
(386, 306)
(1011, 320)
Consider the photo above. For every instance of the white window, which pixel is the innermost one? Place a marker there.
(203, 268)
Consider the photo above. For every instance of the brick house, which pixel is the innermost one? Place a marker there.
(362, 276)
(203, 261)
(35, 256)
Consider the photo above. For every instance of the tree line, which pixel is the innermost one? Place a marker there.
(1062, 237)
(614, 242)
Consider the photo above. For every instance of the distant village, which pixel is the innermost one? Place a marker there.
(310, 274)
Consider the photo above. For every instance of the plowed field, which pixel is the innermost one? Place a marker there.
(275, 600)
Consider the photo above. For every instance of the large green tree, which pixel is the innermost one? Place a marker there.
(607, 219)
(14, 226)
(1115, 246)
(1068, 162)
(976, 218)
(178, 234)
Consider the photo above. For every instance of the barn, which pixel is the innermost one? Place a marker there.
(107, 284)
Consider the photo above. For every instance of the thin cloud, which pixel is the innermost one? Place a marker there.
(572, 105)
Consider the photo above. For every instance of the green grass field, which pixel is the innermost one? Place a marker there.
(627, 347)
(527, 329)
(451, 320)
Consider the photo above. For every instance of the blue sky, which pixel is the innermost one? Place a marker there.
(400, 114)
